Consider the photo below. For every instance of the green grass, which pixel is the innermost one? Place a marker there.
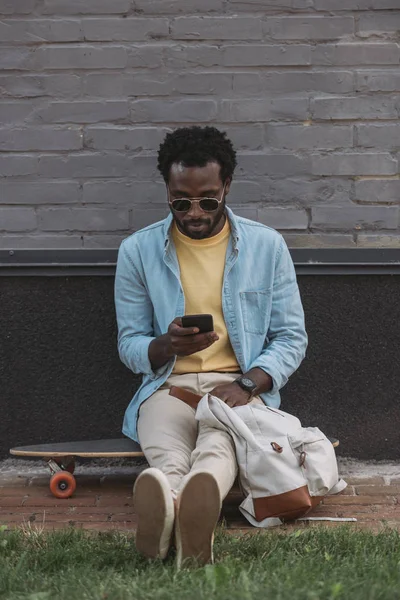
(313, 564)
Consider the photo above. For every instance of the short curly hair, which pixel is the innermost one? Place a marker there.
(195, 147)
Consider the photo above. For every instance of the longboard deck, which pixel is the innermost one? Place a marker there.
(119, 447)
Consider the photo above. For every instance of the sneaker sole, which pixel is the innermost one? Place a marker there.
(154, 508)
(198, 513)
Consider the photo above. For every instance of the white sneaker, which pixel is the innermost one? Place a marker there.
(154, 507)
(198, 508)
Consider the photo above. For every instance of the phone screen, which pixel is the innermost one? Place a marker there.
(203, 322)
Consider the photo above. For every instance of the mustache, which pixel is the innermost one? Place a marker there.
(197, 221)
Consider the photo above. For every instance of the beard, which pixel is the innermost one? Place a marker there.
(199, 229)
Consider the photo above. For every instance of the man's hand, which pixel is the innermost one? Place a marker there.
(232, 394)
(179, 341)
(184, 341)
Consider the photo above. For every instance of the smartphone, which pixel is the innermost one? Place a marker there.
(203, 322)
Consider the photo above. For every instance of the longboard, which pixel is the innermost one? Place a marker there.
(60, 458)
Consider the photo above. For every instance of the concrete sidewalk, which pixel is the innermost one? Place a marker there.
(103, 498)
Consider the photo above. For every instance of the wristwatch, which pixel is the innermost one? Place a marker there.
(246, 384)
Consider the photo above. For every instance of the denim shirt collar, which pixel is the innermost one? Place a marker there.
(233, 221)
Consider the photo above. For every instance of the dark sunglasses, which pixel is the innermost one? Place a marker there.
(206, 204)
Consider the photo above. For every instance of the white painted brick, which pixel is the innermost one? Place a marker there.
(378, 241)
(37, 31)
(127, 192)
(145, 56)
(40, 192)
(355, 217)
(81, 57)
(308, 27)
(135, 139)
(20, 7)
(97, 164)
(384, 80)
(40, 138)
(315, 136)
(330, 81)
(14, 165)
(306, 191)
(84, 112)
(39, 241)
(119, 85)
(76, 7)
(95, 240)
(26, 86)
(283, 218)
(356, 54)
(269, 5)
(244, 137)
(185, 56)
(17, 219)
(120, 30)
(264, 109)
(216, 28)
(140, 218)
(249, 55)
(16, 59)
(175, 111)
(355, 4)
(171, 7)
(378, 23)
(246, 212)
(243, 192)
(355, 107)
(379, 135)
(17, 112)
(319, 240)
(354, 163)
(83, 219)
(378, 191)
(202, 83)
(272, 164)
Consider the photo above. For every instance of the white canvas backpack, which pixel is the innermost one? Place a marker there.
(285, 469)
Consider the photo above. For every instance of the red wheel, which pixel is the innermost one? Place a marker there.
(62, 484)
(65, 465)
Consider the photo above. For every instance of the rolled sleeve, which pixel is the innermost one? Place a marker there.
(134, 353)
(272, 369)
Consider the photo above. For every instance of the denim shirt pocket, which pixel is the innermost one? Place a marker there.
(256, 310)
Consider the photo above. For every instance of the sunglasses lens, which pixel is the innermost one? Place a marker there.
(181, 204)
(208, 204)
(184, 204)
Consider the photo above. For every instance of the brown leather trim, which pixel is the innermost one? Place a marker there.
(315, 500)
(188, 397)
(286, 506)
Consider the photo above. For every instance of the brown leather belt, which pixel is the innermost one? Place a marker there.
(188, 397)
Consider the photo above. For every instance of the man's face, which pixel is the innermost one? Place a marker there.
(198, 182)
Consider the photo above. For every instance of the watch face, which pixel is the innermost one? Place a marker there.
(247, 382)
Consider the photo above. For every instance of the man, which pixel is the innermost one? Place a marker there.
(201, 259)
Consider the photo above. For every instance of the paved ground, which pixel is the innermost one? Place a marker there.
(103, 499)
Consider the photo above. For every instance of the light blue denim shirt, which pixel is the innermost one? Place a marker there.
(260, 301)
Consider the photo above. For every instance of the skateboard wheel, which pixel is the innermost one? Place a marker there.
(69, 466)
(62, 484)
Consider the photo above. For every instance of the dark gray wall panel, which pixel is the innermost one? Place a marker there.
(61, 378)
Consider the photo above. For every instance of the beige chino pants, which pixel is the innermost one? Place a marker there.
(174, 442)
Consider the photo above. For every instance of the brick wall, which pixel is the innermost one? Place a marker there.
(309, 91)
